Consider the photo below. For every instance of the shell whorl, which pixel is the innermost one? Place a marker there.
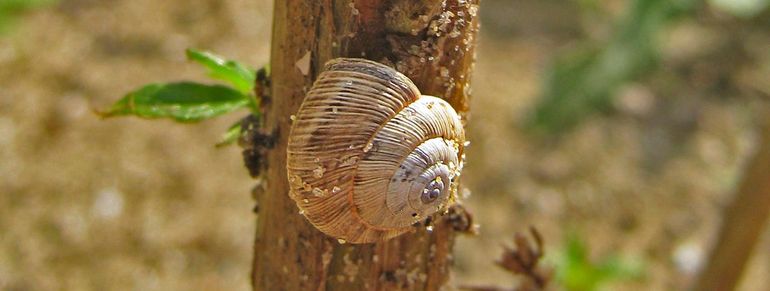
(368, 156)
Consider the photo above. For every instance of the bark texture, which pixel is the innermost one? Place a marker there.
(431, 42)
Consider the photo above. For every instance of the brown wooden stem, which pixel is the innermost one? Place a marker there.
(744, 221)
(430, 41)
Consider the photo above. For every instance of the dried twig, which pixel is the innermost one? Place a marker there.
(523, 260)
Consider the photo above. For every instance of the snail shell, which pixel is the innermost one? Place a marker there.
(368, 156)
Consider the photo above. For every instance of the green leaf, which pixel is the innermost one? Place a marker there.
(183, 101)
(230, 71)
(231, 135)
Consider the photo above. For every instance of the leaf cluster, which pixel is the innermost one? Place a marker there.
(187, 101)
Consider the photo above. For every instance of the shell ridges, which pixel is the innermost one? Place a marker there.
(367, 141)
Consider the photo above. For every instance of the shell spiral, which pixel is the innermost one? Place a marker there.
(369, 156)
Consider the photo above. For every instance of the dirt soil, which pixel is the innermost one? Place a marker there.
(130, 204)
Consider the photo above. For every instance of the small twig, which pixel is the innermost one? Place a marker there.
(523, 260)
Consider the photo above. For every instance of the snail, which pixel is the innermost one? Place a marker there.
(368, 156)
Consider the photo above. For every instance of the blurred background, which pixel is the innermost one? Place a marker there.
(619, 129)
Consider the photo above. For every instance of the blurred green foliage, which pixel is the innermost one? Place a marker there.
(583, 82)
(192, 102)
(10, 10)
(577, 272)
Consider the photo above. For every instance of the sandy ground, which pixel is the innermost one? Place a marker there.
(128, 204)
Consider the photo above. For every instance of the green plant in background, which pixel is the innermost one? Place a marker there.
(192, 102)
(577, 272)
(583, 82)
(10, 10)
